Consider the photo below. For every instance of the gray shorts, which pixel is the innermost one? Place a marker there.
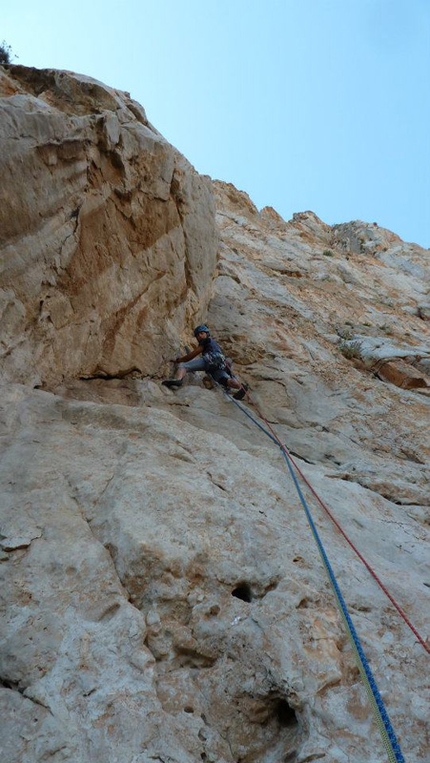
(198, 364)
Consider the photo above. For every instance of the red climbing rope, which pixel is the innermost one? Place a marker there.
(339, 527)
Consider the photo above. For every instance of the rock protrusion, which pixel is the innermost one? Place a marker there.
(106, 230)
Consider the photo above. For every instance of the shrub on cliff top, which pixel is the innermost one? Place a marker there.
(5, 53)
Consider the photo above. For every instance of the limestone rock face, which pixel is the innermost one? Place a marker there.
(108, 239)
(316, 323)
(165, 600)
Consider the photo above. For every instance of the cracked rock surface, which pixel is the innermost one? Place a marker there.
(106, 230)
(166, 599)
(162, 596)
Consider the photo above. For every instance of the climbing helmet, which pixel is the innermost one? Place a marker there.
(200, 328)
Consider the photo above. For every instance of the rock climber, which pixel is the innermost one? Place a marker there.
(212, 361)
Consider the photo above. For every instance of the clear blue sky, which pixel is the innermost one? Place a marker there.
(303, 104)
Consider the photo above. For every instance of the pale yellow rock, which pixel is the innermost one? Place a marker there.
(165, 598)
(107, 231)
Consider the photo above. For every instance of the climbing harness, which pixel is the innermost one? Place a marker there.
(214, 361)
(384, 724)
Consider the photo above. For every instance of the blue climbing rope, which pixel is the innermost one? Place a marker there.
(384, 724)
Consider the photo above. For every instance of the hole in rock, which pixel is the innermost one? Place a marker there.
(188, 709)
(242, 591)
(285, 714)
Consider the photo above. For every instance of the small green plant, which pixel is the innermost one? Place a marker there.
(6, 54)
(328, 253)
(350, 349)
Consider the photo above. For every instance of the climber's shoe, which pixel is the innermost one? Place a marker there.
(172, 382)
(240, 394)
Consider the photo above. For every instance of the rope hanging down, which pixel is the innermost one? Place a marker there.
(384, 724)
(337, 524)
(361, 557)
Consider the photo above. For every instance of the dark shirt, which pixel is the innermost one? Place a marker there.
(210, 346)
